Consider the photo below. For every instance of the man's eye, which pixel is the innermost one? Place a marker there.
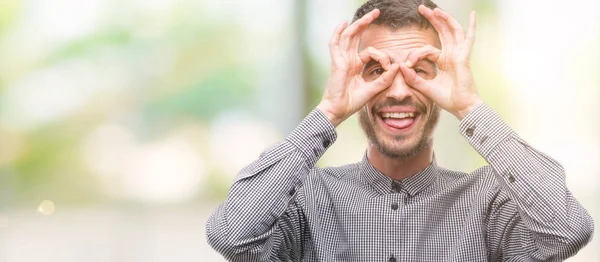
(378, 71)
(420, 71)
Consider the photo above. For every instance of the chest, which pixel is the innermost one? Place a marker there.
(364, 226)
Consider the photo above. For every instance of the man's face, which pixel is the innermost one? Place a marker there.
(399, 121)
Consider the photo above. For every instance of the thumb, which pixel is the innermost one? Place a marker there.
(415, 80)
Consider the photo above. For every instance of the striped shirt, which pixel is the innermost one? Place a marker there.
(283, 208)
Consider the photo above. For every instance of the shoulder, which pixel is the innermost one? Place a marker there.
(333, 174)
(338, 172)
(333, 179)
(482, 179)
(322, 185)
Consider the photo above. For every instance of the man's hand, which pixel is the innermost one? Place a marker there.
(346, 90)
(453, 89)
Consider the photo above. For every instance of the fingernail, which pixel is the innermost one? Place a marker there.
(408, 63)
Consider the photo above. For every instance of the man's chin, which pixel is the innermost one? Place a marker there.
(395, 151)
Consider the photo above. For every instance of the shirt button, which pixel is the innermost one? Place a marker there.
(394, 206)
(316, 151)
(396, 187)
(292, 191)
(511, 178)
(470, 131)
(326, 143)
(392, 259)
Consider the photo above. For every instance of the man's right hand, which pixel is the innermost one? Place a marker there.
(346, 90)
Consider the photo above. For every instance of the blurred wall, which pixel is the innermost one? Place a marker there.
(122, 123)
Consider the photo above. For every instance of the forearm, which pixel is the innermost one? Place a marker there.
(533, 181)
(262, 191)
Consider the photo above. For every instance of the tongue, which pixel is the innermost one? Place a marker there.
(399, 122)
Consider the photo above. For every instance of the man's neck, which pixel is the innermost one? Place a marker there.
(400, 168)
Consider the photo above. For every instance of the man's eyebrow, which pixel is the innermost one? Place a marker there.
(372, 63)
(431, 63)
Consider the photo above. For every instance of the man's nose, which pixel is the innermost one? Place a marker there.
(399, 89)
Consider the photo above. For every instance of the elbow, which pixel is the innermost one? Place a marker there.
(573, 240)
(217, 238)
(582, 232)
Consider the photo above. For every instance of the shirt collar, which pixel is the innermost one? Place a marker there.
(385, 185)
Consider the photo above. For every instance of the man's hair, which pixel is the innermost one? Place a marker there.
(397, 13)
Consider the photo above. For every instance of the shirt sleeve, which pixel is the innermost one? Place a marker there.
(534, 209)
(260, 220)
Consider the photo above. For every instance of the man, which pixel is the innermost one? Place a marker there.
(397, 64)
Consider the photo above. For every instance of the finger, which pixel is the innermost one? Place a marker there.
(415, 80)
(349, 39)
(471, 31)
(335, 40)
(387, 77)
(451, 23)
(427, 51)
(384, 81)
(446, 37)
(355, 39)
(372, 53)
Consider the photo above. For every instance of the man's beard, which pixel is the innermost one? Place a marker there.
(387, 149)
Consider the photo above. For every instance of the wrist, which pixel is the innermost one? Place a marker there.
(462, 113)
(325, 109)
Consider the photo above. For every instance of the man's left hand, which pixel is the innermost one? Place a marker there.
(453, 89)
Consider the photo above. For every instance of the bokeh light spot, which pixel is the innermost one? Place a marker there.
(46, 208)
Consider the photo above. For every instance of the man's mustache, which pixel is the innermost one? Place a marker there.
(422, 109)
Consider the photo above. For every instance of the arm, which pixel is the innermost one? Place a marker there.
(260, 220)
(260, 217)
(534, 216)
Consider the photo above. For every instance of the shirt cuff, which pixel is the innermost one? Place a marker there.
(484, 129)
(313, 136)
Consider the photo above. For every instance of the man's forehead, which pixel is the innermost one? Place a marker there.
(400, 40)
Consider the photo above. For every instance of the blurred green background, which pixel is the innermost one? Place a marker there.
(123, 123)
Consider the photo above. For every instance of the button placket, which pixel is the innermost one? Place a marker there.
(398, 201)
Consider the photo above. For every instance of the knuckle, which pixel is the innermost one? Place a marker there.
(413, 55)
(346, 33)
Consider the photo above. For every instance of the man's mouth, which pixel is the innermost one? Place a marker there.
(398, 120)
